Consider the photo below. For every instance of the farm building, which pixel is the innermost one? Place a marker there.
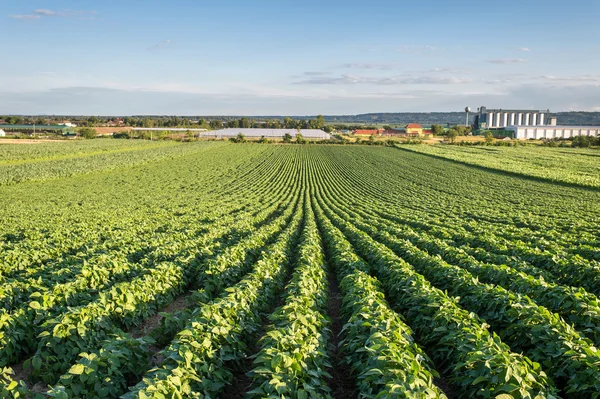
(552, 132)
(410, 130)
(2, 133)
(413, 129)
(268, 133)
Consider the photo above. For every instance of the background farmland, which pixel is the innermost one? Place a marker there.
(136, 269)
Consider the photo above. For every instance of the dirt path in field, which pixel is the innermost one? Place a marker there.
(181, 302)
(241, 382)
(21, 373)
(342, 384)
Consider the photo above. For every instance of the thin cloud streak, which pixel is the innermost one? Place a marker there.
(508, 61)
(39, 13)
(46, 12)
(347, 79)
(24, 16)
(383, 67)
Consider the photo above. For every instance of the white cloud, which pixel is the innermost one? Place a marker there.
(524, 49)
(45, 12)
(370, 66)
(24, 16)
(347, 79)
(508, 61)
(316, 73)
(573, 79)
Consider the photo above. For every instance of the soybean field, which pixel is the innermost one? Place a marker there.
(219, 270)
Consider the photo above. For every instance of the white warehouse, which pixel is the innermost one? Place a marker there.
(552, 132)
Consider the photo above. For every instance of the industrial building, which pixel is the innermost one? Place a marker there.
(527, 124)
(311, 134)
(501, 118)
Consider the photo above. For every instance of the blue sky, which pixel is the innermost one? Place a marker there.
(226, 57)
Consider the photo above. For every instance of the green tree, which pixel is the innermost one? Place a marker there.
(320, 122)
(88, 133)
(287, 138)
(452, 134)
(245, 123)
(489, 138)
(372, 139)
(216, 125)
(289, 123)
(300, 139)
(437, 130)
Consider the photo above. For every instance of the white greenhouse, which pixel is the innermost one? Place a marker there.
(310, 134)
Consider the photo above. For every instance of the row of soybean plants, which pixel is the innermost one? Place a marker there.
(474, 360)
(120, 303)
(519, 321)
(113, 380)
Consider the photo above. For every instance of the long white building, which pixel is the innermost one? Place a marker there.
(552, 132)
